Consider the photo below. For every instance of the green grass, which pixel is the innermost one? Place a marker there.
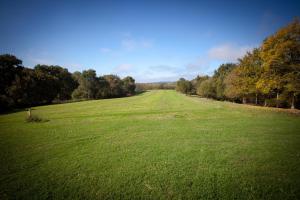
(157, 145)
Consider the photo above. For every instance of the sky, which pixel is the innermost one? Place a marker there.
(150, 40)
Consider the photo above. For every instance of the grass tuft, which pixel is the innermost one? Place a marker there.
(35, 118)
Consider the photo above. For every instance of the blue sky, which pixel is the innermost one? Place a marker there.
(149, 40)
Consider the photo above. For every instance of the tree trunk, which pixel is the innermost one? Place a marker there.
(265, 104)
(277, 100)
(255, 99)
(244, 100)
(293, 101)
(29, 112)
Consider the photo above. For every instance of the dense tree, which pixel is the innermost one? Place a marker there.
(107, 86)
(219, 78)
(88, 83)
(10, 67)
(241, 81)
(115, 85)
(65, 83)
(281, 56)
(184, 86)
(155, 86)
(197, 81)
(128, 85)
(206, 88)
(21, 86)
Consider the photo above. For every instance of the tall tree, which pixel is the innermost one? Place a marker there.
(241, 81)
(206, 88)
(197, 81)
(65, 82)
(219, 78)
(128, 85)
(115, 85)
(280, 55)
(10, 67)
(88, 83)
(184, 86)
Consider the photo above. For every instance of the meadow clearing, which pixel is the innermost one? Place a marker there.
(155, 145)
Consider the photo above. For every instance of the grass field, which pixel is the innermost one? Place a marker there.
(156, 145)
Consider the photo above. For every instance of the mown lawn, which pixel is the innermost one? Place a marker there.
(157, 145)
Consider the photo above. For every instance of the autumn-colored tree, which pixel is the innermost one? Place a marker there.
(241, 81)
(281, 56)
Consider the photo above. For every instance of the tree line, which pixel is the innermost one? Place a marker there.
(268, 75)
(25, 87)
(155, 86)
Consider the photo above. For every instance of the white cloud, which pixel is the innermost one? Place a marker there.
(162, 68)
(227, 52)
(132, 44)
(123, 68)
(42, 61)
(213, 57)
(105, 50)
(156, 73)
(146, 43)
(128, 44)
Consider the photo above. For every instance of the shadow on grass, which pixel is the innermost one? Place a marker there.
(16, 110)
(138, 93)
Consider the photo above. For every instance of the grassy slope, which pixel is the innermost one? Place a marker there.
(159, 144)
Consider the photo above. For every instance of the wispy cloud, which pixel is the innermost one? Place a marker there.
(130, 43)
(105, 50)
(42, 61)
(214, 56)
(228, 52)
(204, 64)
(123, 68)
(160, 72)
(162, 68)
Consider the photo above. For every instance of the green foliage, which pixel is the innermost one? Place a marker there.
(63, 80)
(21, 87)
(206, 88)
(115, 88)
(107, 86)
(219, 79)
(87, 88)
(128, 85)
(184, 86)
